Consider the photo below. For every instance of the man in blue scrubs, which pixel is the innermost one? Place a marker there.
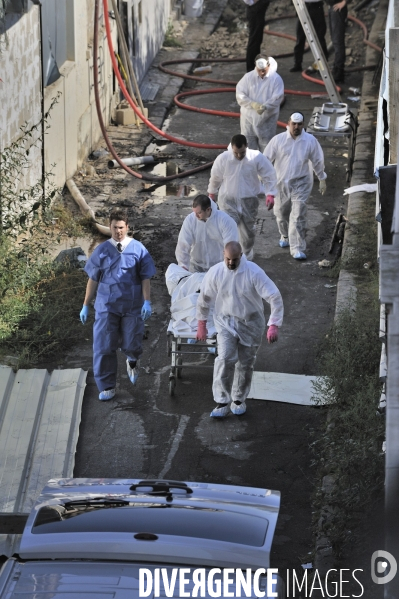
(119, 271)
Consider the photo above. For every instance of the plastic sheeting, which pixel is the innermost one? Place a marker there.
(184, 288)
(286, 388)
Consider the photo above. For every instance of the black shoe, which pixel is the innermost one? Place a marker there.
(338, 75)
(296, 68)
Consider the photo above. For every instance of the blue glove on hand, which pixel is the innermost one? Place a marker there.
(146, 310)
(84, 313)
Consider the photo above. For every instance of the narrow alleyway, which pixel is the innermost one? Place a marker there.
(145, 433)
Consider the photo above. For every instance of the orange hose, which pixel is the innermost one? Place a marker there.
(365, 33)
(314, 80)
(215, 90)
(143, 176)
(185, 94)
(182, 142)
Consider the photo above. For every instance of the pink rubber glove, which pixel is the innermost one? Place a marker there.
(202, 332)
(272, 333)
(269, 202)
(212, 196)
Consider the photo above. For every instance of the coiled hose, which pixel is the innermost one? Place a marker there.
(162, 66)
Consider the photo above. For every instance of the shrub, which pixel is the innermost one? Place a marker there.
(39, 300)
(350, 447)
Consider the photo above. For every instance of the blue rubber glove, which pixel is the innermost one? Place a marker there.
(84, 313)
(146, 310)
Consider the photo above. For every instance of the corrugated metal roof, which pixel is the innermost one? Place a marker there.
(39, 428)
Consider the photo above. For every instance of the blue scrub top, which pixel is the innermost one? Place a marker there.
(119, 276)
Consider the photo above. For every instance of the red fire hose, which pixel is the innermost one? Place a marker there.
(183, 142)
(178, 97)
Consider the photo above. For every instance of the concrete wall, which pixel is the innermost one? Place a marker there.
(74, 128)
(20, 71)
(148, 21)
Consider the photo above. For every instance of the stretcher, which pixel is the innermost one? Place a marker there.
(182, 348)
(179, 349)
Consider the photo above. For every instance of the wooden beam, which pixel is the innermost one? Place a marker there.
(12, 523)
(393, 82)
(389, 272)
(395, 14)
(391, 589)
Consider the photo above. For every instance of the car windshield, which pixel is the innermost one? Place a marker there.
(159, 519)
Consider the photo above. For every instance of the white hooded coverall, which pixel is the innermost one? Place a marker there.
(200, 244)
(240, 190)
(260, 128)
(236, 296)
(294, 159)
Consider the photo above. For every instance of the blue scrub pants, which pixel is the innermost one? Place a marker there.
(111, 332)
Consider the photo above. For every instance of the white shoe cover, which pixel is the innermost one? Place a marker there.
(220, 412)
(300, 256)
(106, 395)
(133, 373)
(238, 409)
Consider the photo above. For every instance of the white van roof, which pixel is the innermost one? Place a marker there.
(194, 524)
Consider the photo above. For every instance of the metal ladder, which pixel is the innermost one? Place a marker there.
(333, 119)
(317, 52)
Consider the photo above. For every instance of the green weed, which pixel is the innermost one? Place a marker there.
(350, 447)
(39, 299)
(39, 306)
(170, 40)
(363, 246)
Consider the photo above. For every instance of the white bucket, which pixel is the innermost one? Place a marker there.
(193, 8)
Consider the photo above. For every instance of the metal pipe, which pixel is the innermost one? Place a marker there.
(124, 52)
(124, 45)
(334, 235)
(131, 161)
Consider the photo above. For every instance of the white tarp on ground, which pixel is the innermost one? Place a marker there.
(287, 388)
(367, 187)
(39, 428)
(184, 287)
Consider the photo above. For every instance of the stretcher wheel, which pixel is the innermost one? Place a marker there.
(179, 370)
(172, 384)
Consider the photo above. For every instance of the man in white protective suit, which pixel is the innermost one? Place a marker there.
(260, 93)
(235, 289)
(295, 154)
(203, 235)
(236, 173)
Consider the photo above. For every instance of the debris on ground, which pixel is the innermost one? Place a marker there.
(73, 257)
(325, 263)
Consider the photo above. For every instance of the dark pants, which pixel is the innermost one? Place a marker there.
(316, 13)
(256, 23)
(337, 21)
(110, 332)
